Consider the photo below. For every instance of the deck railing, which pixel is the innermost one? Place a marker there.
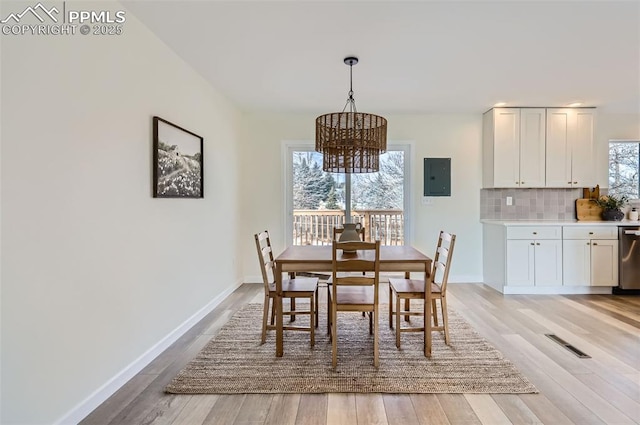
(315, 227)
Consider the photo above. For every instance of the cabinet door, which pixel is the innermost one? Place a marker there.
(520, 263)
(604, 262)
(532, 147)
(558, 156)
(582, 173)
(576, 262)
(506, 139)
(548, 263)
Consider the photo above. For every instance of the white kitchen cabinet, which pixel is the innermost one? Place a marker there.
(534, 256)
(534, 262)
(539, 257)
(604, 263)
(576, 262)
(590, 256)
(520, 263)
(514, 147)
(569, 147)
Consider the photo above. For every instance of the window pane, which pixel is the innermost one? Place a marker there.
(377, 199)
(624, 163)
(318, 200)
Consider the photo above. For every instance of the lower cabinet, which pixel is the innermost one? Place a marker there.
(534, 262)
(546, 259)
(590, 256)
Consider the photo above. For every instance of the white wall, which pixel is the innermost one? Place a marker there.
(95, 272)
(454, 136)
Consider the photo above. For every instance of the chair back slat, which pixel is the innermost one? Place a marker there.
(359, 257)
(354, 265)
(355, 280)
(265, 255)
(442, 260)
(347, 246)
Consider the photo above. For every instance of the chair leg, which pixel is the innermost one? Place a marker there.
(329, 316)
(273, 313)
(390, 307)
(407, 307)
(434, 311)
(312, 319)
(334, 339)
(264, 318)
(445, 319)
(398, 321)
(293, 308)
(370, 322)
(376, 357)
(317, 307)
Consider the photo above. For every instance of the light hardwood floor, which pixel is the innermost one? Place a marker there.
(602, 390)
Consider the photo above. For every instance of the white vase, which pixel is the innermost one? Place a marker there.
(351, 232)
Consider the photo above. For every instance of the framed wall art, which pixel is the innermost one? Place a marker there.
(178, 168)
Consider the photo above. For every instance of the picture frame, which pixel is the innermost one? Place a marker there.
(178, 162)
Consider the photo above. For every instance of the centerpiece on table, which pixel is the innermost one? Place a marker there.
(612, 206)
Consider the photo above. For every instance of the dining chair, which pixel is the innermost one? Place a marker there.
(291, 288)
(413, 289)
(337, 232)
(354, 292)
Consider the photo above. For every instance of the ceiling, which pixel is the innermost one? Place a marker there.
(415, 56)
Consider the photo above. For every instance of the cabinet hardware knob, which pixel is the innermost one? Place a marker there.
(568, 182)
(537, 243)
(588, 243)
(532, 243)
(575, 182)
(521, 182)
(535, 233)
(595, 243)
(591, 233)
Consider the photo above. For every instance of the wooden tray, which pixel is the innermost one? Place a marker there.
(588, 210)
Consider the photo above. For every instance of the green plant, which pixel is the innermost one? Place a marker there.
(612, 202)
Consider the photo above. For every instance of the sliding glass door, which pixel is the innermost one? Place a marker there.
(318, 201)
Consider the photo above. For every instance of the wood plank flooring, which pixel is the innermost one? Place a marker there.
(602, 390)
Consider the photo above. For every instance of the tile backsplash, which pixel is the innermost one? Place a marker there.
(529, 204)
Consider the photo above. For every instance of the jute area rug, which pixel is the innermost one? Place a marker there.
(234, 362)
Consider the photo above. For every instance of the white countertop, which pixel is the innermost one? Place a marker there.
(624, 222)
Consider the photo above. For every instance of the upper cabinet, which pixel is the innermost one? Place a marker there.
(570, 134)
(514, 147)
(538, 147)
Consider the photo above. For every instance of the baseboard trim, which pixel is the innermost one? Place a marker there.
(556, 290)
(100, 395)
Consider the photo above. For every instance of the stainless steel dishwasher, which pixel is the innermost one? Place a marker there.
(629, 240)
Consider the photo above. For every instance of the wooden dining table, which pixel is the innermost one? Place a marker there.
(313, 258)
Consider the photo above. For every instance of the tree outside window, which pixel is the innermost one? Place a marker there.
(624, 166)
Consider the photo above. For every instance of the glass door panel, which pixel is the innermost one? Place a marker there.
(318, 200)
(377, 199)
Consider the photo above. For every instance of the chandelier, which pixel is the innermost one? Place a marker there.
(351, 141)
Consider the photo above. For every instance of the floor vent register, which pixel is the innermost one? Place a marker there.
(565, 344)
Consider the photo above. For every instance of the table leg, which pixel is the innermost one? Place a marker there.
(278, 303)
(427, 312)
(407, 306)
